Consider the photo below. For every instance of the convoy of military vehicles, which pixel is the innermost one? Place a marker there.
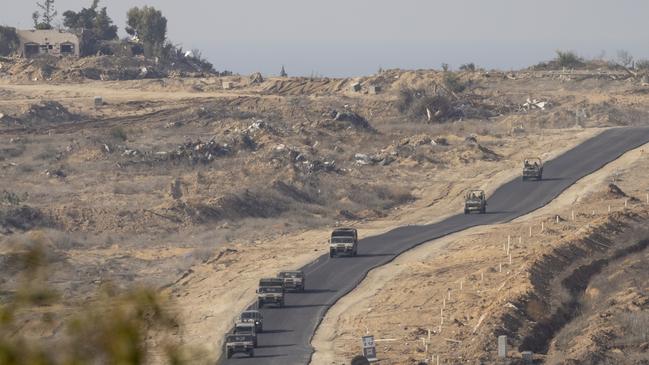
(343, 241)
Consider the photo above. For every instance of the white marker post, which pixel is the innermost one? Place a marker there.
(530, 231)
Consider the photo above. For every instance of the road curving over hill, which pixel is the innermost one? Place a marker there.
(288, 331)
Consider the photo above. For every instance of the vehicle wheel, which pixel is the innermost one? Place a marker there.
(251, 353)
(483, 210)
(229, 354)
(332, 254)
(524, 178)
(466, 211)
(281, 304)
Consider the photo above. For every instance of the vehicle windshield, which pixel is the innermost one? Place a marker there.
(248, 315)
(342, 239)
(271, 289)
(290, 274)
(239, 338)
(243, 329)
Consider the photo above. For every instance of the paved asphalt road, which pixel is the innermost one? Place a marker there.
(288, 330)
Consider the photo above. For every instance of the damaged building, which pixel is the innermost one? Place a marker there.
(34, 43)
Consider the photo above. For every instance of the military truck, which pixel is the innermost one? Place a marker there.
(239, 344)
(293, 280)
(271, 290)
(343, 241)
(248, 329)
(532, 168)
(475, 201)
(255, 317)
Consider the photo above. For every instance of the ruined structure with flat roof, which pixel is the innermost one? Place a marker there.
(34, 43)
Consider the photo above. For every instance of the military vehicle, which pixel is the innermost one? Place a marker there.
(271, 290)
(475, 201)
(343, 241)
(246, 328)
(532, 169)
(293, 280)
(239, 344)
(255, 317)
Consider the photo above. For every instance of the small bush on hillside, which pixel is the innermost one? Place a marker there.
(468, 67)
(568, 59)
(453, 83)
(119, 133)
(417, 103)
(642, 64)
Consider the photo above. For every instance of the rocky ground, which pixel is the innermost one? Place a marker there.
(161, 184)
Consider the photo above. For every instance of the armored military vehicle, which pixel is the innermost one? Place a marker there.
(293, 280)
(248, 329)
(253, 316)
(475, 201)
(271, 290)
(343, 241)
(239, 344)
(532, 169)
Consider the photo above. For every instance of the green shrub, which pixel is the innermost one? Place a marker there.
(453, 83)
(119, 133)
(568, 59)
(468, 67)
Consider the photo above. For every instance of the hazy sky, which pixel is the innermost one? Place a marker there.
(354, 37)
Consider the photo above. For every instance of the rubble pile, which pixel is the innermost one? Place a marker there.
(343, 120)
(46, 112)
(405, 148)
(200, 152)
(301, 161)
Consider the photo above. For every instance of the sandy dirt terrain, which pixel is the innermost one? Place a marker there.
(199, 191)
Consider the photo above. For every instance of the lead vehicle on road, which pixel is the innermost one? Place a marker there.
(475, 201)
(532, 168)
(343, 241)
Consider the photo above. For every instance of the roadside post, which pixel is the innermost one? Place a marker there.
(369, 348)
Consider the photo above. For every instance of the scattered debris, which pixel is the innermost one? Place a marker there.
(58, 173)
(47, 112)
(198, 151)
(256, 78)
(353, 118)
(535, 104)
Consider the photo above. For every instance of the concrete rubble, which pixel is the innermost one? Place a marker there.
(535, 104)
